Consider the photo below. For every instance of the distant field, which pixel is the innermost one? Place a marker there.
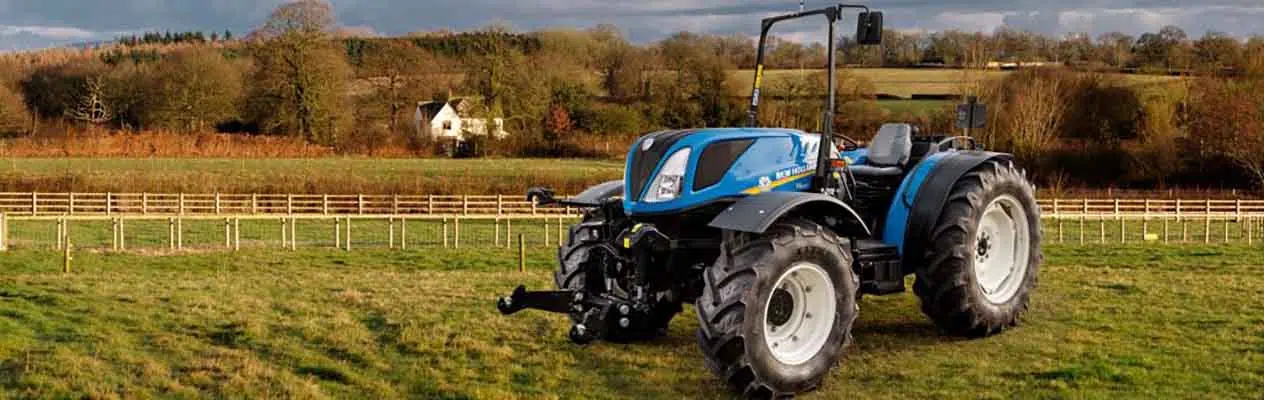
(318, 175)
(1106, 322)
(907, 82)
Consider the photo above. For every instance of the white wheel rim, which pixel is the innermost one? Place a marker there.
(1002, 249)
(796, 331)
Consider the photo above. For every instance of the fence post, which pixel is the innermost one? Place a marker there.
(1207, 227)
(395, 204)
(430, 204)
(1083, 216)
(522, 253)
(144, 203)
(508, 232)
(4, 232)
(1250, 229)
(347, 237)
(360, 204)
(109, 203)
(61, 235)
(179, 233)
(66, 256)
(217, 203)
(114, 234)
(403, 233)
(1226, 230)
(254, 203)
(70, 205)
(456, 230)
(445, 232)
(465, 205)
(171, 233)
(228, 234)
(324, 205)
(236, 234)
(284, 232)
(289, 204)
(293, 234)
(122, 234)
(1123, 230)
(180, 204)
(1145, 222)
(337, 233)
(34, 204)
(560, 221)
(546, 233)
(390, 237)
(497, 244)
(500, 208)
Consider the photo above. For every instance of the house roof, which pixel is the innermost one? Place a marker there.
(431, 109)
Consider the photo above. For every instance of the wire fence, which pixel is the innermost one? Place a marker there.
(158, 222)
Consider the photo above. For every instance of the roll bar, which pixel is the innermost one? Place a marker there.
(869, 31)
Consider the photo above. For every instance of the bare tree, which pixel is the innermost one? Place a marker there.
(299, 82)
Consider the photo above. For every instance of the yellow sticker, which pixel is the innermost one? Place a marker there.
(627, 243)
(637, 227)
(759, 76)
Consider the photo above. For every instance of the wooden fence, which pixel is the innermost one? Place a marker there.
(61, 204)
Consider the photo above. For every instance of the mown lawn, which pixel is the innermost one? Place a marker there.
(1107, 322)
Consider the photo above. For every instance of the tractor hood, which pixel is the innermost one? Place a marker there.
(673, 171)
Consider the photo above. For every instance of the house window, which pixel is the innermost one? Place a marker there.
(447, 125)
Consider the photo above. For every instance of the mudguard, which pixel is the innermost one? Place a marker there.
(597, 194)
(755, 214)
(931, 196)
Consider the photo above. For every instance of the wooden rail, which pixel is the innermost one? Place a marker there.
(181, 204)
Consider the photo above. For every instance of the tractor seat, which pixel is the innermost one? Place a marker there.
(888, 152)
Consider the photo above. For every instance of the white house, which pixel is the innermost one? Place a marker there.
(449, 120)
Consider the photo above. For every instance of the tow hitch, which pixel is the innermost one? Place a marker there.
(596, 317)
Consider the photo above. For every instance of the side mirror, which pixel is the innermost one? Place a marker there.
(869, 29)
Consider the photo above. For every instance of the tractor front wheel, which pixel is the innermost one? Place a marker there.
(777, 309)
(985, 253)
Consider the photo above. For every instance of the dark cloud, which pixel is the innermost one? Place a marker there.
(643, 20)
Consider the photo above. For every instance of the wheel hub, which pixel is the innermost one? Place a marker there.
(799, 315)
(780, 308)
(1003, 249)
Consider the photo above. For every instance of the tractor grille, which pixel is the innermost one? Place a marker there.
(643, 162)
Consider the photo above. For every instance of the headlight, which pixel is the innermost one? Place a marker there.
(671, 178)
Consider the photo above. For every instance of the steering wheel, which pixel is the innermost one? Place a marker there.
(952, 141)
(849, 144)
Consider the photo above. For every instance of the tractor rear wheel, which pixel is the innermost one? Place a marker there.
(985, 253)
(777, 309)
(579, 258)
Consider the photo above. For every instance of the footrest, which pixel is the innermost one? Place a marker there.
(880, 267)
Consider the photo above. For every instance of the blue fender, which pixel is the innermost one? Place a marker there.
(755, 214)
(922, 196)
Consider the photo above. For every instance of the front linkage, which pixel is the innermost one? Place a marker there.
(607, 279)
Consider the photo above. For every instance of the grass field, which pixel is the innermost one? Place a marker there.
(319, 175)
(1107, 322)
(907, 82)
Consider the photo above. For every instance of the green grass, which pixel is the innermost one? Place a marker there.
(324, 175)
(1130, 322)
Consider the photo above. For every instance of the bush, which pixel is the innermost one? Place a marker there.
(614, 119)
(13, 115)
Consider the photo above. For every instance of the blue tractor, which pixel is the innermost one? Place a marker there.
(775, 234)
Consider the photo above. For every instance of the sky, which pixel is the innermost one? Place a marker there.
(28, 24)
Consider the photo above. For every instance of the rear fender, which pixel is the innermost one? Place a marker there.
(920, 200)
(755, 214)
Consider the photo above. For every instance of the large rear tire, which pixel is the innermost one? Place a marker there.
(777, 309)
(985, 254)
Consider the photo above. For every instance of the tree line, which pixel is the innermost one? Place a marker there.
(556, 88)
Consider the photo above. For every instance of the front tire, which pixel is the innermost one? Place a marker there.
(985, 255)
(777, 309)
